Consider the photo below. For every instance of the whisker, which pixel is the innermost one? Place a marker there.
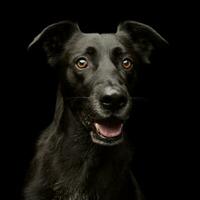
(77, 97)
(137, 98)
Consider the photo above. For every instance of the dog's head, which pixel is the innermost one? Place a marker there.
(98, 71)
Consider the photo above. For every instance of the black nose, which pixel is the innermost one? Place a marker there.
(113, 99)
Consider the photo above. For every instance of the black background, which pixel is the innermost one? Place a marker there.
(28, 92)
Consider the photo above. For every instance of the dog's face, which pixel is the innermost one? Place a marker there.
(98, 72)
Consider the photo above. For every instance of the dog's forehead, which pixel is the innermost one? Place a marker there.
(102, 42)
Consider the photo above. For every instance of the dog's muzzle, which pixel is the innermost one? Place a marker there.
(112, 107)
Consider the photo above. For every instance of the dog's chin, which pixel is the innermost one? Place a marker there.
(107, 132)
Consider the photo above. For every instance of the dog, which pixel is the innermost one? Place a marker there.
(85, 154)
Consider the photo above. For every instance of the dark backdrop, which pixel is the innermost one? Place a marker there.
(29, 91)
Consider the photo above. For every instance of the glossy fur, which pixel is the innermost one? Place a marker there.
(68, 165)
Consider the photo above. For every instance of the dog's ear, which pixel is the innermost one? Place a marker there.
(144, 38)
(52, 39)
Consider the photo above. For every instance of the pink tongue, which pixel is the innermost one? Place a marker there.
(109, 129)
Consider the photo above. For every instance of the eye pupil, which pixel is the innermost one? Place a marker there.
(127, 63)
(81, 63)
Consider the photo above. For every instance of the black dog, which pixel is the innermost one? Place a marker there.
(84, 154)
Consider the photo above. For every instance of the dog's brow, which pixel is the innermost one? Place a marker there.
(91, 50)
(117, 51)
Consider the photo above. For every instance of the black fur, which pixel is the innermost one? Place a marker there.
(68, 164)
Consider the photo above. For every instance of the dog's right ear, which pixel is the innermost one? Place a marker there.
(144, 38)
(52, 39)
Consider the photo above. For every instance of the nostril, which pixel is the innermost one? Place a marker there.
(106, 100)
(114, 101)
(122, 101)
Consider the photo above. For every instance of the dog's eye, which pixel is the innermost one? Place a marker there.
(81, 63)
(127, 63)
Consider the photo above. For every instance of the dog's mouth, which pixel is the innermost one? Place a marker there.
(107, 132)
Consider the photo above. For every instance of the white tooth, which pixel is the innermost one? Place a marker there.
(97, 127)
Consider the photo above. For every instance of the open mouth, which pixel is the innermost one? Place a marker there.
(107, 132)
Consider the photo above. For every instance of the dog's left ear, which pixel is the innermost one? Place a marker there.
(143, 37)
(50, 42)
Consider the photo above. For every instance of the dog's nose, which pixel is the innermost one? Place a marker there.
(113, 99)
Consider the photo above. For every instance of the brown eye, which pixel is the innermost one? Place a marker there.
(81, 63)
(127, 63)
